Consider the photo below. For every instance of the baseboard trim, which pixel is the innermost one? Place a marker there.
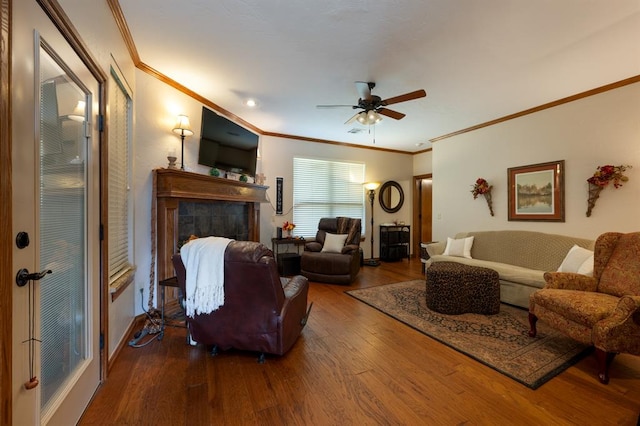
(137, 321)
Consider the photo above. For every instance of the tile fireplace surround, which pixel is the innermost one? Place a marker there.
(187, 203)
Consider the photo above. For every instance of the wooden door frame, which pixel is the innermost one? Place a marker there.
(61, 21)
(6, 218)
(416, 212)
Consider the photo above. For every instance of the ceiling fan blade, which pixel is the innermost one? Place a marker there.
(352, 119)
(406, 97)
(336, 106)
(364, 89)
(391, 113)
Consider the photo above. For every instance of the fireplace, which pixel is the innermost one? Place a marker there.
(220, 218)
(189, 203)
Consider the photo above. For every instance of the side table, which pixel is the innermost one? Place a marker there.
(169, 282)
(424, 254)
(288, 262)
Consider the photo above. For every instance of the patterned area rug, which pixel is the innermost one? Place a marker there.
(499, 341)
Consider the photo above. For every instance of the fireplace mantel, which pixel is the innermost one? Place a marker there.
(188, 185)
(172, 186)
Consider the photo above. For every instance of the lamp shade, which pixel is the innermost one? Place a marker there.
(183, 127)
(373, 117)
(78, 112)
(371, 186)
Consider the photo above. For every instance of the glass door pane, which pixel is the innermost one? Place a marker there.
(63, 242)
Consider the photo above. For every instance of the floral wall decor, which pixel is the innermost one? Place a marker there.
(603, 176)
(482, 187)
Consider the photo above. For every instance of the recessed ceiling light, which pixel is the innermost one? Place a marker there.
(251, 103)
(420, 144)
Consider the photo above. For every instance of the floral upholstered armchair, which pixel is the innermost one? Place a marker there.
(603, 310)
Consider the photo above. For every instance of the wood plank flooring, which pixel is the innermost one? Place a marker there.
(351, 365)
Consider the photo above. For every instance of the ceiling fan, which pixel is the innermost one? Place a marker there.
(373, 106)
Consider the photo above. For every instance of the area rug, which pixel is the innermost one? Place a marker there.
(499, 341)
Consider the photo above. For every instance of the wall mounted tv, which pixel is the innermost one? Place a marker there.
(226, 145)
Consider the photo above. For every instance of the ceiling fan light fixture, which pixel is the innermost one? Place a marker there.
(369, 117)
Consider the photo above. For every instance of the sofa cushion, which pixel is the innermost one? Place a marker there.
(529, 249)
(512, 273)
(459, 247)
(582, 307)
(326, 263)
(576, 260)
(333, 243)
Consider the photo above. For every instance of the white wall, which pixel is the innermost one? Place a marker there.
(423, 163)
(598, 130)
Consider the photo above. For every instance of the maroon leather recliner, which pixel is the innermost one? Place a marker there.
(334, 268)
(262, 312)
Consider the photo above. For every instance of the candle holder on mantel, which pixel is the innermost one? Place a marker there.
(172, 161)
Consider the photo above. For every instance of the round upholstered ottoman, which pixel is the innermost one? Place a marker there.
(454, 288)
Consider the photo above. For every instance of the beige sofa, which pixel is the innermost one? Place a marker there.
(520, 257)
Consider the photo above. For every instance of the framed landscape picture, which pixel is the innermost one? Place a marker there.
(536, 192)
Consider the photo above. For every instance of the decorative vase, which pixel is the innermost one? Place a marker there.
(487, 196)
(288, 233)
(594, 194)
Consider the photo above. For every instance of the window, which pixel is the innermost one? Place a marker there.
(323, 188)
(120, 265)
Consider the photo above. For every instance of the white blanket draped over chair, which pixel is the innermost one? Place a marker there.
(204, 263)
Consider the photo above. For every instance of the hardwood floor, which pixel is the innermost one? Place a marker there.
(351, 365)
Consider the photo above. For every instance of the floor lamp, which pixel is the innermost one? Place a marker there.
(183, 128)
(371, 187)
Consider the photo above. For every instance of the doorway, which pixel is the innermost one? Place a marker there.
(56, 352)
(422, 210)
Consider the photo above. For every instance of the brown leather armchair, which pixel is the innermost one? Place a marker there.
(603, 310)
(333, 267)
(262, 312)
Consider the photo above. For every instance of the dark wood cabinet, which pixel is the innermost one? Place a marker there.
(394, 242)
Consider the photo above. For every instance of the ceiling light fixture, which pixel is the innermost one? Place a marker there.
(251, 103)
(369, 117)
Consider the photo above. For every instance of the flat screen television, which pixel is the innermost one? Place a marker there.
(227, 145)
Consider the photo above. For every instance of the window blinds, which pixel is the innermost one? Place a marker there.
(323, 188)
(118, 163)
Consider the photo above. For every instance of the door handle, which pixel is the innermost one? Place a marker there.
(23, 276)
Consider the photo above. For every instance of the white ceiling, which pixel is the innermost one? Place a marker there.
(477, 60)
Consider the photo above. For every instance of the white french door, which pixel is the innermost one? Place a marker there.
(56, 348)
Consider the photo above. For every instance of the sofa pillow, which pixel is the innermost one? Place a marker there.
(333, 243)
(587, 267)
(459, 248)
(575, 259)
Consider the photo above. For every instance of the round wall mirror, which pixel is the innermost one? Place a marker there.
(391, 196)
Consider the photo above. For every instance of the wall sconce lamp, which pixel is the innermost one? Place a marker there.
(371, 187)
(183, 128)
